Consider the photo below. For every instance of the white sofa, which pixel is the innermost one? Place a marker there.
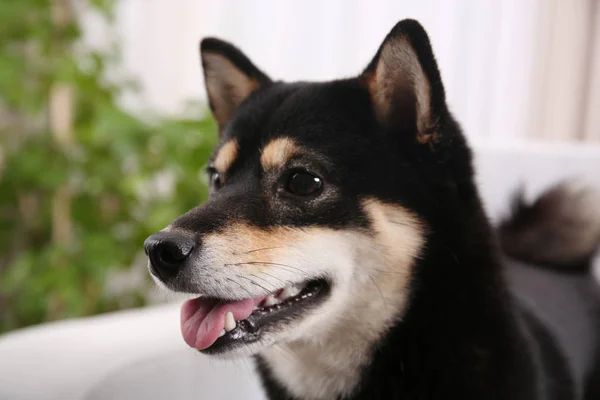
(139, 354)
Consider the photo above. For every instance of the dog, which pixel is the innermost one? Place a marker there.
(344, 245)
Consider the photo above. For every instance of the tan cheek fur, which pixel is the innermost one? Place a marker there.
(321, 355)
(326, 361)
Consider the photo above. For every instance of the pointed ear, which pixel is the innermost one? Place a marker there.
(404, 83)
(230, 77)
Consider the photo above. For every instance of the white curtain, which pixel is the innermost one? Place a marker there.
(513, 69)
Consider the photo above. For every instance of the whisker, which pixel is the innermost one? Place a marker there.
(400, 223)
(261, 249)
(284, 282)
(264, 280)
(453, 256)
(267, 291)
(240, 285)
(380, 292)
(388, 272)
(290, 268)
(266, 263)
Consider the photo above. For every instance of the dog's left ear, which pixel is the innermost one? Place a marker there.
(230, 77)
(404, 83)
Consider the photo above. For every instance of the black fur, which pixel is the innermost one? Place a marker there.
(463, 335)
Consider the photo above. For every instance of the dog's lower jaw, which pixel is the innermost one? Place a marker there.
(326, 362)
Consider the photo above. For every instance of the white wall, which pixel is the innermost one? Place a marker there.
(512, 68)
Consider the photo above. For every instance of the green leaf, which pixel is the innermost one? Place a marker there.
(111, 168)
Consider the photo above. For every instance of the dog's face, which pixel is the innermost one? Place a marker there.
(319, 201)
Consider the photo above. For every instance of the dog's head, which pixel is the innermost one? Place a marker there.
(321, 199)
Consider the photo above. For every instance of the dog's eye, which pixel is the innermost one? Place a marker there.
(215, 179)
(303, 183)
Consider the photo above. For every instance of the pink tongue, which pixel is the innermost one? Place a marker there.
(202, 320)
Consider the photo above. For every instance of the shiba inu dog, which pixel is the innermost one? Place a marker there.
(345, 248)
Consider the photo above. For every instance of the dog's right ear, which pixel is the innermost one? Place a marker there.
(230, 77)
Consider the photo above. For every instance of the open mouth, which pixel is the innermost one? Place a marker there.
(214, 325)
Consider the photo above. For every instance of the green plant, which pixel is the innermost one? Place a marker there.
(76, 206)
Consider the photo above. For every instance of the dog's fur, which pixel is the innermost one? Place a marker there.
(419, 306)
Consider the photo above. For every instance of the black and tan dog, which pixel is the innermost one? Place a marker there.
(344, 245)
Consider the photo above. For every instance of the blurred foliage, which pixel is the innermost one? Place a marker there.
(127, 177)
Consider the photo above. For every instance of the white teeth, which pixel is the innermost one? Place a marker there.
(222, 333)
(270, 301)
(289, 292)
(280, 296)
(229, 322)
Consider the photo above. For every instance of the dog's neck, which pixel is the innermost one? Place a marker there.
(456, 330)
(308, 369)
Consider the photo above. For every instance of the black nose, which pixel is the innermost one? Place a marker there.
(167, 252)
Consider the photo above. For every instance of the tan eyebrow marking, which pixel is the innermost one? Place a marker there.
(226, 156)
(278, 152)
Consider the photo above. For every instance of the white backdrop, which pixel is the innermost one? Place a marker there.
(512, 68)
